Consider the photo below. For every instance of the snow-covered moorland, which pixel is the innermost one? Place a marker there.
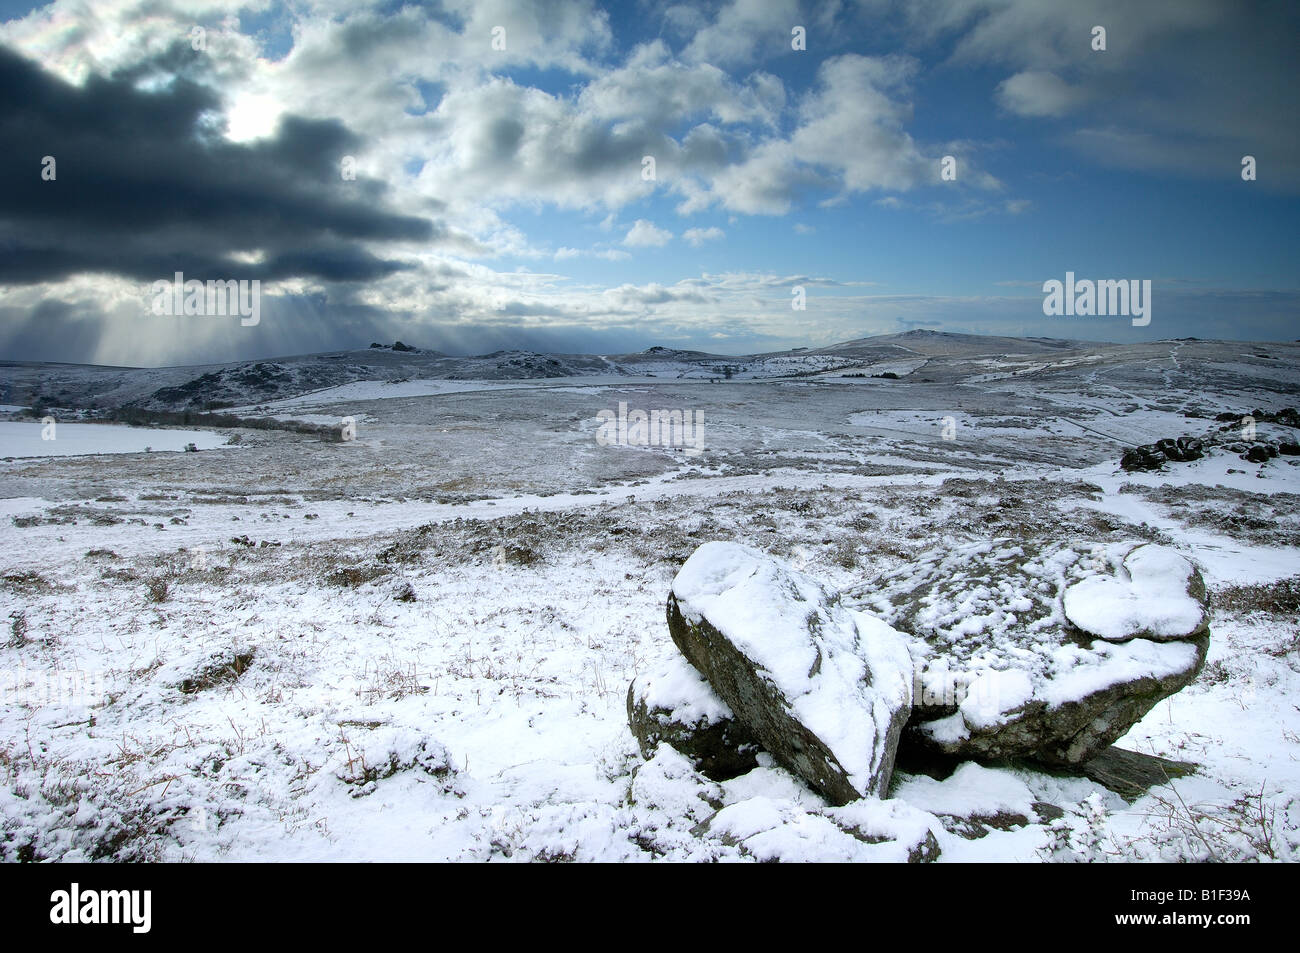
(417, 645)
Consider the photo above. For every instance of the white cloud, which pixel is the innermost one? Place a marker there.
(608, 254)
(1035, 93)
(645, 234)
(653, 88)
(698, 236)
(850, 138)
(744, 29)
(856, 124)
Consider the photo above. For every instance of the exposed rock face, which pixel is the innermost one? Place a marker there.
(1071, 731)
(673, 704)
(1045, 653)
(825, 690)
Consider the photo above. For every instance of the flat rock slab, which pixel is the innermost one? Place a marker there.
(1004, 670)
(824, 689)
(673, 704)
(1131, 774)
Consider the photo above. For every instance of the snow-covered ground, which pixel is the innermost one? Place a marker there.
(417, 644)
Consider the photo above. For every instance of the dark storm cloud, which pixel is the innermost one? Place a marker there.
(146, 186)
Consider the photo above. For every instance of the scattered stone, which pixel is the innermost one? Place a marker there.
(977, 826)
(826, 691)
(1287, 417)
(1153, 456)
(1142, 458)
(1181, 450)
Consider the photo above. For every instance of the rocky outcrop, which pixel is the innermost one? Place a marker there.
(1142, 458)
(1002, 651)
(1287, 417)
(1182, 449)
(1044, 653)
(1153, 456)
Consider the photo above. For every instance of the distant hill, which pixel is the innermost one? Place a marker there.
(922, 354)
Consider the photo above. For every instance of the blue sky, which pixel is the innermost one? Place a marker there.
(499, 200)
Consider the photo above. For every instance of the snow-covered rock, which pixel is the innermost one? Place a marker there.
(826, 691)
(668, 782)
(673, 704)
(866, 831)
(1048, 652)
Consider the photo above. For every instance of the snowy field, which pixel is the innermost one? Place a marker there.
(417, 644)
